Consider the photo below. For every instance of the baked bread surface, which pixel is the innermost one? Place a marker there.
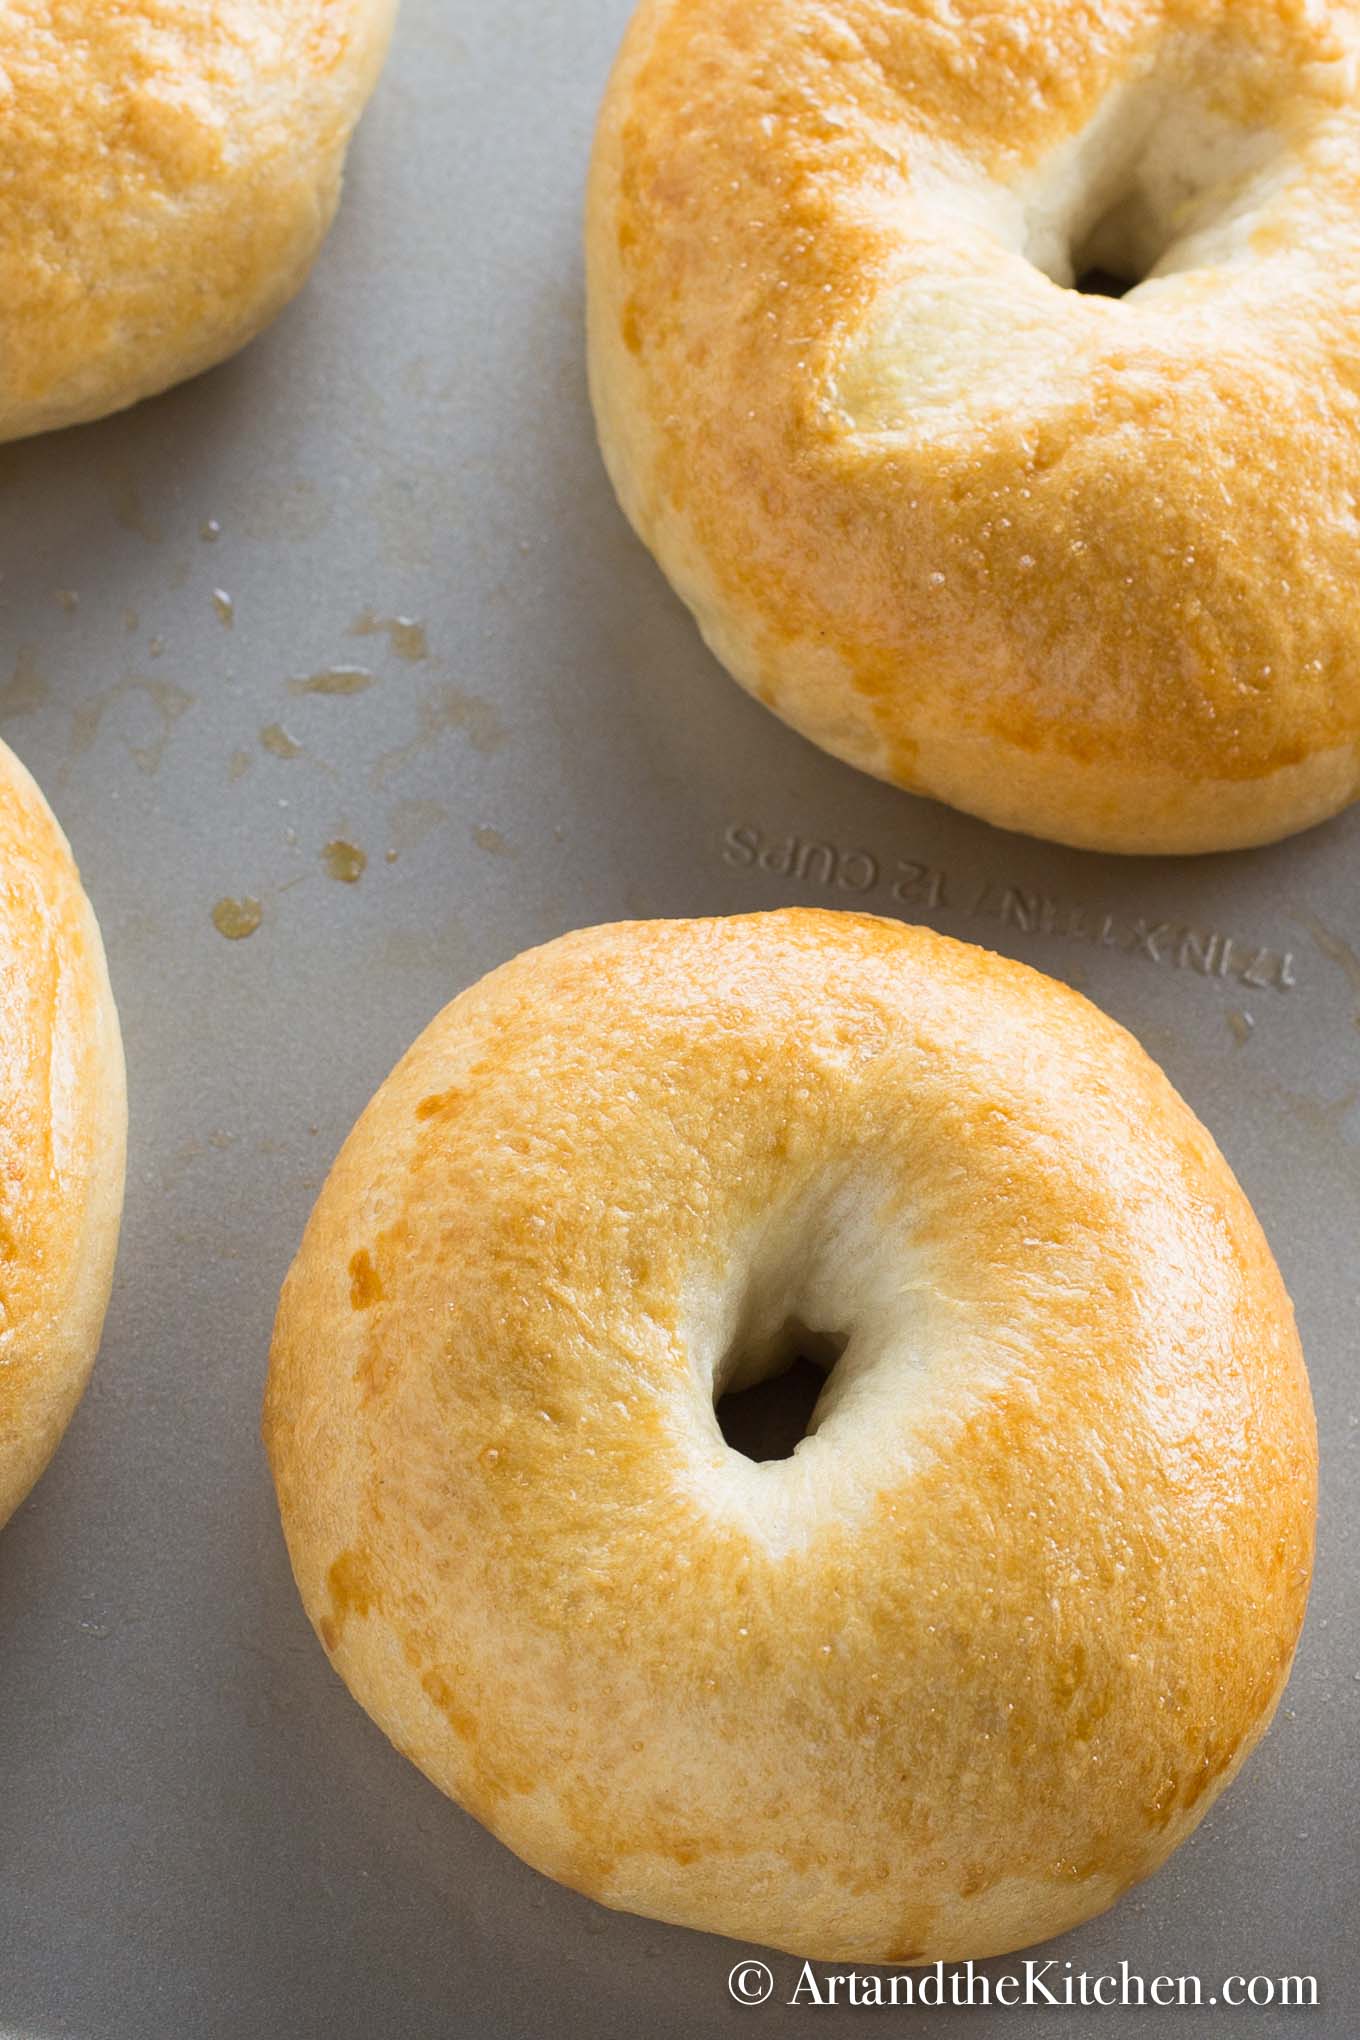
(1084, 566)
(169, 170)
(984, 1650)
(63, 1129)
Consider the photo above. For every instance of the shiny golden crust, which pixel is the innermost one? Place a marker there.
(63, 1129)
(1084, 567)
(169, 171)
(987, 1647)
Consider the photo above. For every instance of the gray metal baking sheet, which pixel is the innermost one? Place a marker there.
(200, 1833)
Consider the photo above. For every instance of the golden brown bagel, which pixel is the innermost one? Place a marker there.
(985, 1649)
(1084, 567)
(63, 1129)
(169, 172)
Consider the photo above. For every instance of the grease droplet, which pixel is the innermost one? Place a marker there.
(333, 680)
(494, 843)
(237, 918)
(407, 638)
(276, 740)
(225, 607)
(1242, 1025)
(209, 530)
(344, 861)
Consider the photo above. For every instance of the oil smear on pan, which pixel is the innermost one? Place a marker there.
(447, 709)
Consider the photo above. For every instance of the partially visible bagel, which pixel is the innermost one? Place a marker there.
(1085, 567)
(63, 1132)
(985, 1649)
(169, 171)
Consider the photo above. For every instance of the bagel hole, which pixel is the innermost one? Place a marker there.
(1097, 282)
(1121, 249)
(1149, 188)
(770, 1418)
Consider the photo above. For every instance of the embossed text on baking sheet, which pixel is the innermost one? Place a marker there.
(860, 876)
